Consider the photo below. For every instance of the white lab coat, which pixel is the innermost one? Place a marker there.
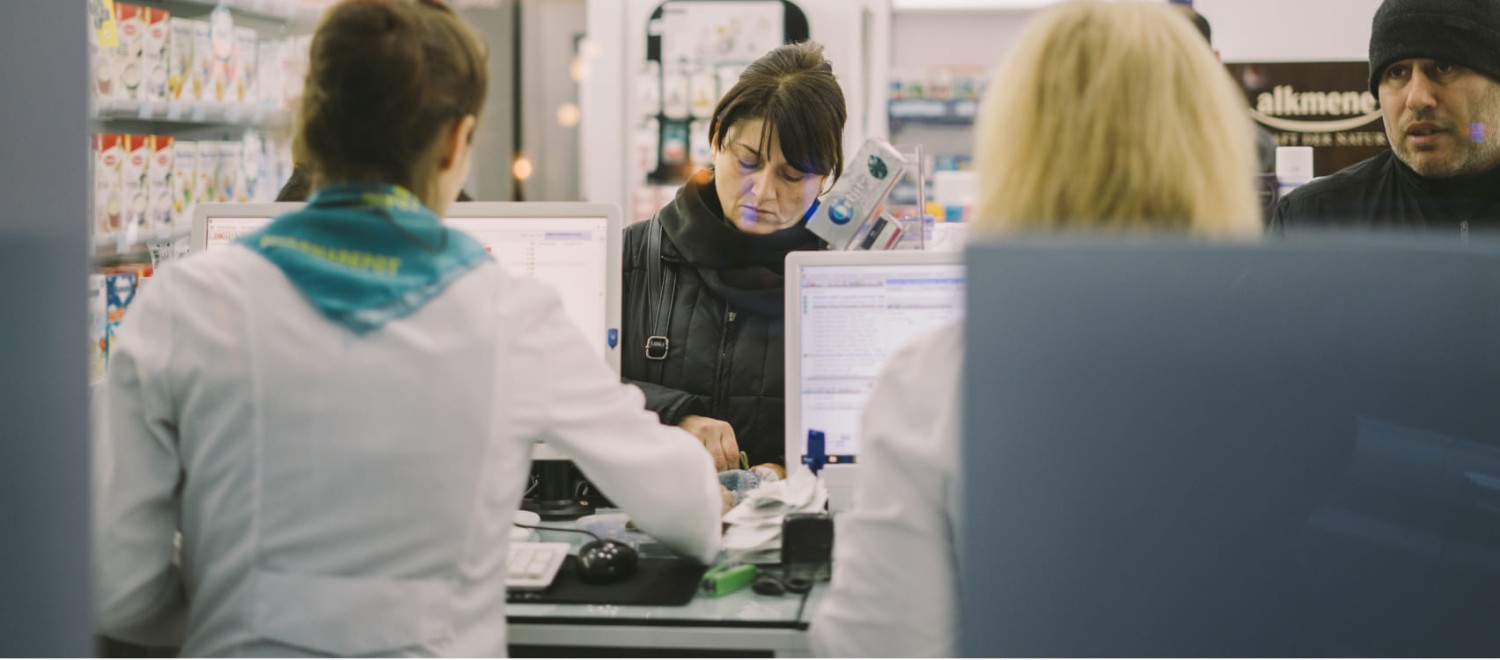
(895, 567)
(353, 495)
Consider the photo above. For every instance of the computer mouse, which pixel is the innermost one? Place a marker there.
(606, 561)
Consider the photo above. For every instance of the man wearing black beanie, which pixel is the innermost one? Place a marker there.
(1435, 66)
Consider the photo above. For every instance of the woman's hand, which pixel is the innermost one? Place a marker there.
(717, 437)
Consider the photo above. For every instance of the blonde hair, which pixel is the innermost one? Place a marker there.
(1114, 116)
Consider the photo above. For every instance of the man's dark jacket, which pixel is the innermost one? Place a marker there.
(726, 337)
(1383, 192)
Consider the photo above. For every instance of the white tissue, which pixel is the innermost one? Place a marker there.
(755, 525)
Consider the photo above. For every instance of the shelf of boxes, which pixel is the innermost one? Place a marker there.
(149, 246)
(278, 11)
(192, 112)
(933, 111)
(190, 106)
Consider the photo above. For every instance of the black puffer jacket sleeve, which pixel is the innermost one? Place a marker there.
(669, 404)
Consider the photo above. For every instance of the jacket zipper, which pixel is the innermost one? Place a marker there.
(721, 370)
(1463, 231)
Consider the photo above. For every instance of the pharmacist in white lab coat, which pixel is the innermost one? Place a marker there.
(337, 412)
(895, 569)
(1114, 150)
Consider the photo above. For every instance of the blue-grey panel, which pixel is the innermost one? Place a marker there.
(1178, 448)
(44, 187)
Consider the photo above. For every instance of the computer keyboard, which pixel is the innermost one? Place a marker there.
(532, 566)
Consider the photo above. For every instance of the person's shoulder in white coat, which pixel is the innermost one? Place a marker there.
(545, 382)
(895, 579)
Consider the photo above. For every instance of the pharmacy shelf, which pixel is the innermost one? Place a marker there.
(133, 247)
(201, 113)
(275, 11)
(958, 112)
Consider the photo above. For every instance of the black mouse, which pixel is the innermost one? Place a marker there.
(606, 561)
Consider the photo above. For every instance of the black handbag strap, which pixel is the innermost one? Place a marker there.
(661, 280)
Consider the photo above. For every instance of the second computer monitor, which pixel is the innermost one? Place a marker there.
(575, 247)
(846, 313)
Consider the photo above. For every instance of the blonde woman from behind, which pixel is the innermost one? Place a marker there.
(1105, 117)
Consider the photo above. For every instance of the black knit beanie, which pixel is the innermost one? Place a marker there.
(1465, 32)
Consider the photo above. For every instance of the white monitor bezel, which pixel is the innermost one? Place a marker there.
(614, 247)
(202, 212)
(795, 263)
(613, 243)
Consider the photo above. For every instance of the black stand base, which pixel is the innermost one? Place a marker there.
(556, 509)
(554, 501)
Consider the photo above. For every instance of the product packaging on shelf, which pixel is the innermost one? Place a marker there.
(648, 145)
(252, 155)
(184, 178)
(163, 153)
(676, 102)
(134, 173)
(648, 89)
(109, 194)
(208, 173)
(129, 76)
(281, 150)
(728, 75)
(104, 46)
(98, 326)
(246, 76)
(703, 93)
(180, 60)
(294, 63)
(699, 151)
(268, 70)
(230, 156)
(221, 50)
(203, 62)
(156, 58)
(674, 138)
(120, 288)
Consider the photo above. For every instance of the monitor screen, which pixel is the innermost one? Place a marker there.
(225, 229)
(570, 253)
(847, 313)
(574, 247)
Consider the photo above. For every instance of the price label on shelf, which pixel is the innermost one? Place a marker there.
(174, 111)
(232, 114)
(258, 116)
(200, 113)
(145, 111)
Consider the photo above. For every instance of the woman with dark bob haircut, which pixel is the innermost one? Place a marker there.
(703, 279)
(337, 413)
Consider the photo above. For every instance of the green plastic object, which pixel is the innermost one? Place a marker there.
(728, 578)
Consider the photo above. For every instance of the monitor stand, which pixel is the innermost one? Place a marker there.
(554, 500)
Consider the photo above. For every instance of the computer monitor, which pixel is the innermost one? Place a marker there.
(575, 247)
(1188, 449)
(846, 313)
(217, 225)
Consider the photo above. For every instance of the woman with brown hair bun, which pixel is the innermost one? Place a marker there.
(337, 413)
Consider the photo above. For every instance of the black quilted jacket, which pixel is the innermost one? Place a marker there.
(726, 332)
